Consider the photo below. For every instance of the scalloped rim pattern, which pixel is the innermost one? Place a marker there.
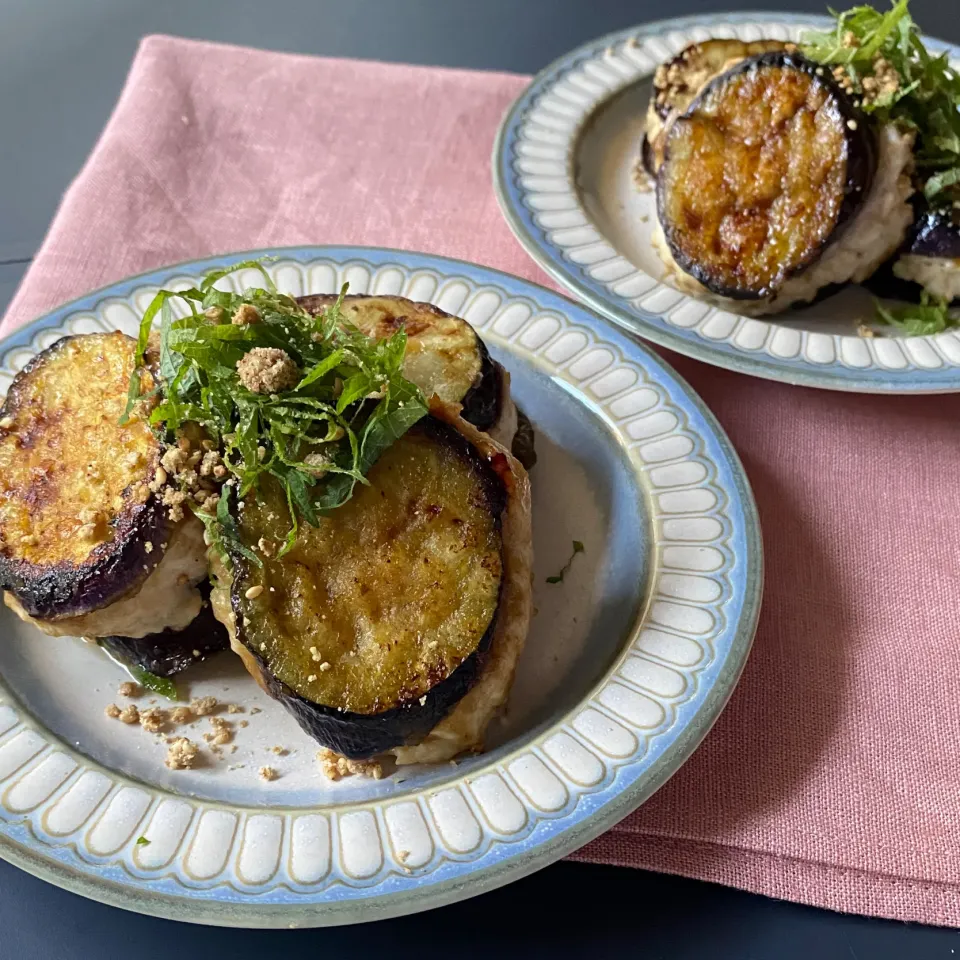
(533, 175)
(72, 821)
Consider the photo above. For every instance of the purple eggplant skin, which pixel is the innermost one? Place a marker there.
(58, 590)
(360, 736)
(861, 166)
(173, 651)
(523, 442)
(936, 234)
(646, 157)
(117, 568)
(483, 400)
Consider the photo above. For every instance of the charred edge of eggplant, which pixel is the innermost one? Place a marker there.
(861, 165)
(524, 442)
(647, 158)
(171, 652)
(483, 402)
(359, 736)
(113, 568)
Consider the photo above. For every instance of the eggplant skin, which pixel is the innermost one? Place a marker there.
(929, 259)
(79, 525)
(766, 168)
(418, 583)
(359, 736)
(445, 355)
(936, 234)
(523, 441)
(171, 652)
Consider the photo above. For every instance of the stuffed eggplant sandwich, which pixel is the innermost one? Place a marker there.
(340, 467)
(785, 171)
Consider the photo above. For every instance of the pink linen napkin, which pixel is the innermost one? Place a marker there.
(832, 778)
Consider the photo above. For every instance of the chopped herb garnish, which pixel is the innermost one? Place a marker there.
(312, 404)
(932, 315)
(893, 76)
(142, 842)
(577, 548)
(163, 686)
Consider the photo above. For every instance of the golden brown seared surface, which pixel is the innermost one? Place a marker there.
(678, 81)
(69, 473)
(756, 176)
(444, 355)
(393, 591)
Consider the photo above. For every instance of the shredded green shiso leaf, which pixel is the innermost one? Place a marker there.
(317, 439)
(867, 43)
(863, 42)
(565, 569)
(932, 315)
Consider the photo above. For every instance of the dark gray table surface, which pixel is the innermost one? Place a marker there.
(62, 65)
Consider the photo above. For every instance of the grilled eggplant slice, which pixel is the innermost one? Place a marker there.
(678, 81)
(82, 533)
(380, 621)
(173, 651)
(774, 186)
(445, 356)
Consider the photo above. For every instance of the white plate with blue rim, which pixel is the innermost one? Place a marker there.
(563, 168)
(628, 663)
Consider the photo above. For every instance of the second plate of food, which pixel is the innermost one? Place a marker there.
(742, 188)
(418, 709)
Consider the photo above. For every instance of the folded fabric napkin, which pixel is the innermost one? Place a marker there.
(832, 778)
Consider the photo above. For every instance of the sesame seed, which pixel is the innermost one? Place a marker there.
(254, 592)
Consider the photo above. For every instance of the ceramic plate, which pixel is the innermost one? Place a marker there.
(563, 170)
(628, 662)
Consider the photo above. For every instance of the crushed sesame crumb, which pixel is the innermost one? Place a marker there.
(204, 705)
(182, 754)
(181, 715)
(246, 314)
(130, 714)
(129, 689)
(268, 774)
(267, 370)
(254, 710)
(335, 767)
(153, 720)
(325, 666)
(112, 711)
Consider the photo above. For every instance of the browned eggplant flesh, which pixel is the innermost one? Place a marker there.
(79, 525)
(762, 172)
(378, 621)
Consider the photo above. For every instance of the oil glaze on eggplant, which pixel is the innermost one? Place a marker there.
(79, 526)
(376, 624)
(678, 81)
(764, 170)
